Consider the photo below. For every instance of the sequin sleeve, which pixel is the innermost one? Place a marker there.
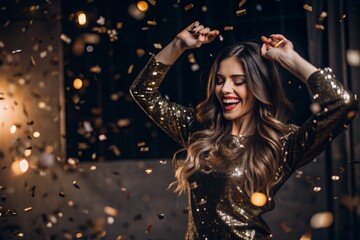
(174, 119)
(336, 107)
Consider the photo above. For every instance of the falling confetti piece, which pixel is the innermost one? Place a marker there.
(110, 211)
(144, 149)
(65, 38)
(28, 209)
(279, 43)
(322, 220)
(335, 178)
(189, 6)
(258, 199)
(322, 16)
(228, 28)
(241, 3)
(319, 26)
(317, 189)
(161, 216)
(308, 7)
(16, 51)
(102, 137)
(151, 23)
(62, 194)
(158, 46)
(20, 234)
(32, 60)
(240, 12)
(75, 185)
(342, 17)
(101, 20)
(152, 2)
(286, 227)
(148, 171)
(130, 69)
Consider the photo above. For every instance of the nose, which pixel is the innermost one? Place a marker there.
(227, 86)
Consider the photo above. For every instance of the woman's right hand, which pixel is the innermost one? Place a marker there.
(195, 35)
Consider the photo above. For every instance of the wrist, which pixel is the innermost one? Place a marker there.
(178, 45)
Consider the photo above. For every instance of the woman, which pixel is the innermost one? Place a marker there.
(236, 140)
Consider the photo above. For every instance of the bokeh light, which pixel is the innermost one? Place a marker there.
(81, 18)
(142, 6)
(258, 199)
(77, 83)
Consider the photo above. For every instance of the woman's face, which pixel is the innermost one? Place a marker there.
(232, 91)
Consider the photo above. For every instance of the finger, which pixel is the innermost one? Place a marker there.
(197, 29)
(211, 36)
(264, 49)
(191, 27)
(204, 31)
(277, 36)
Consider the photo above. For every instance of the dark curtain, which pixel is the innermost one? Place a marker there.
(329, 47)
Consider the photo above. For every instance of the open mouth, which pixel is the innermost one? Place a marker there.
(230, 103)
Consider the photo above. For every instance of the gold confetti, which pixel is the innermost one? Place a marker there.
(189, 6)
(279, 43)
(335, 178)
(322, 220)
(95, 69)
(152, 23)
(319, 26)
(130, 69)
(119, 25)
(258, 199)
(62, 194)
(342, 17)
(79, 235)
(93, 168)
(221, 38)
(32, 60)
(317, 189)
(141, 144)
(191, 58)
(115, 150)
(228, 28)
(322, 16)
(144, 149)
(110, 211)
(240, 12)
(65, 38)
(148, 171)
(241, 3)
(157, 46)
(76, 185)
(308, 7)
(102, 137)
(16, 51)
(28, 209)
(152, 2)
(20, 234)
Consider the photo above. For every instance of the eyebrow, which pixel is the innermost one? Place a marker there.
(232, 76)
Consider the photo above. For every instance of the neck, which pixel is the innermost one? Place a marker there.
(243, 126)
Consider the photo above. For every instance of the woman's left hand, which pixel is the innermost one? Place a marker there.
(276, 46)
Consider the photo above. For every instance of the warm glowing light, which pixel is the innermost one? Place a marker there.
(13, 129)
(24, 165)
(19, 167)
(258, 199)
(142, 6)
(36, 134)
(78, 83)
(27, 152)
(81, 18)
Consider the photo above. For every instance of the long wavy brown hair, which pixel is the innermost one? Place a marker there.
(263, 155)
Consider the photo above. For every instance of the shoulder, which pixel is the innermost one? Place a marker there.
(290, 130)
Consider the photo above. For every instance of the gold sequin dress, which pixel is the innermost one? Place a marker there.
(218, 206)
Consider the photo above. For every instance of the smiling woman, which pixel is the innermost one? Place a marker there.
(236, 141)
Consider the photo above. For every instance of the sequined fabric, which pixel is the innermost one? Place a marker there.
(218, 206)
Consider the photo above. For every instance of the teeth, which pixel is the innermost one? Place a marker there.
(230, 101)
